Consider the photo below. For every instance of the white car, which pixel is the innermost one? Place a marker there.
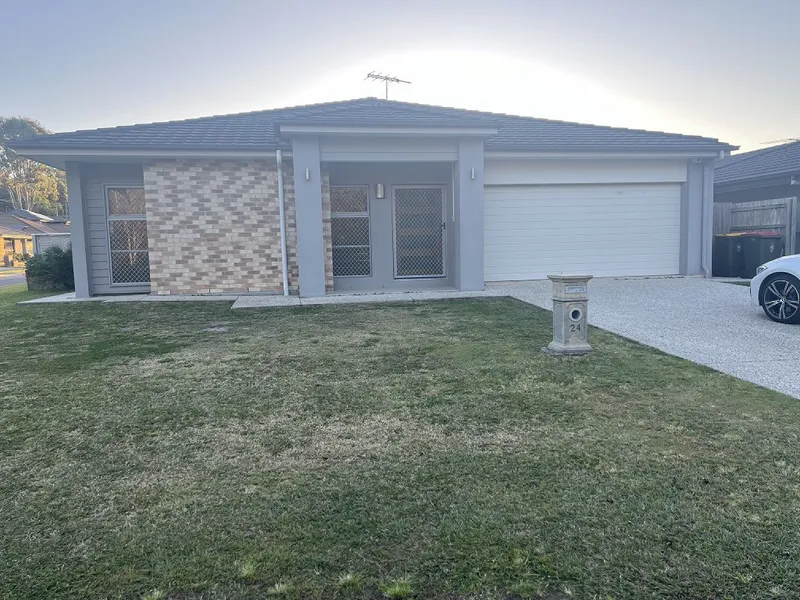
(776, 289)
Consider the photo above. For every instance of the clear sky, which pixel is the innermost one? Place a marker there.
(723, 68)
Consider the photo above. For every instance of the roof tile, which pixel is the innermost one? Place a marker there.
(259, 130)
(773, 161)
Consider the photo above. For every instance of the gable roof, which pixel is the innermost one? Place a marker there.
(773, 161)
(16, 220)
(29, 214)
(12, 232)
(260, 130)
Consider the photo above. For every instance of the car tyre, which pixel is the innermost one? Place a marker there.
(779, 296)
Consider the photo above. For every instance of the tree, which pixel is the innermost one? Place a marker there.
(27, 184)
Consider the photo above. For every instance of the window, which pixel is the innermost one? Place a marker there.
(350, 231)
(127, 235)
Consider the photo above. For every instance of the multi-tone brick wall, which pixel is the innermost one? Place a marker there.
(213, 226)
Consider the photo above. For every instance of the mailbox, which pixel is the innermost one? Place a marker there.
(570, 312)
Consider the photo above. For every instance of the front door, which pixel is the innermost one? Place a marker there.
(387, 231)
(418, 218)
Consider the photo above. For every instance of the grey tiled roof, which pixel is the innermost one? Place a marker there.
(15, 220)
(777, 160)
(259, 130)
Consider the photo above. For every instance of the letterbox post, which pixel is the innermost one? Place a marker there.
(570, 312)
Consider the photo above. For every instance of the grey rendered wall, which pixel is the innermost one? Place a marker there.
(455, 231)
(309, 216)
(469, 213)
(95, 177)
(692, 220)
(697, 218)
(78, 231)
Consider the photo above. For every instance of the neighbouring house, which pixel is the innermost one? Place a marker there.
(758, 190)
(372, 195)
(28, 232)
(15, 243)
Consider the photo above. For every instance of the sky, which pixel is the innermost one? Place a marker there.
(722, 68)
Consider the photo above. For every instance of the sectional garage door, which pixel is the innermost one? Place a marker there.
(603, 230)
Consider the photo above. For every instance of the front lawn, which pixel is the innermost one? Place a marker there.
(185, 450)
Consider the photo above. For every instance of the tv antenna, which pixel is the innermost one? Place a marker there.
(387, 79)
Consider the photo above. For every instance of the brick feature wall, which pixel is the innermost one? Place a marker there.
(213, 227)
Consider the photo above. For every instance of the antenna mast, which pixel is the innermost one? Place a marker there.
(387, 79)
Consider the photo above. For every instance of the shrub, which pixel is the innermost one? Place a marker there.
(50, 270)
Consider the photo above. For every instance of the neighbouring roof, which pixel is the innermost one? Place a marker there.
(10, 232)
(772, 161)
(260, 130)
(16, 220)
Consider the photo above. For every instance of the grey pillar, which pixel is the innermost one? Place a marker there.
(692, 220)
(707, 232)
(79, 231)
(308, 207)
(469, 183)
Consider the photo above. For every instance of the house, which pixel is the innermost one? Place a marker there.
(15, 243)
(370, 195)
(759, 190)
(28, 232)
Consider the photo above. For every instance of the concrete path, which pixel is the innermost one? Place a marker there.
(11, 279)
(270, 301)
(705, 321)
(708, 322)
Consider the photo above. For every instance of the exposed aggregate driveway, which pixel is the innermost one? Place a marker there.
(708, 322)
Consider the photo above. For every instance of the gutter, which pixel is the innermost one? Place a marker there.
(749, 183)
(282, 209)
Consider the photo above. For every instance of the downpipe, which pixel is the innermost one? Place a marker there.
(282, 209)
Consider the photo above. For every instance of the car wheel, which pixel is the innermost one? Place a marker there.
(780, 298)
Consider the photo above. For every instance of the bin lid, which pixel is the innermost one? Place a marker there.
(763, 234)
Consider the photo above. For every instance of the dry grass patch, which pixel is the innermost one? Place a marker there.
(424, 450)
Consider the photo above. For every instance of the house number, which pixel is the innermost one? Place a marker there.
(576, 289)
(573, 328)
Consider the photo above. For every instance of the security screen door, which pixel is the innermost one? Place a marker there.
(350, 235)
(418, 213)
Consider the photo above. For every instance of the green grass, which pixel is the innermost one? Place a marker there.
(424, 450)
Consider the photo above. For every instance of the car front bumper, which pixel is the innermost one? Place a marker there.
(755, 286)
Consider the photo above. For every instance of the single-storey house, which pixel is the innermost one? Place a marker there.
(372, 195)
(14, 243)
(759, 190)
(28, 232)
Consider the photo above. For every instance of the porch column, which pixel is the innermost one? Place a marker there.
(469, 183)
(708, 216)
(697, 215)
(308, 207)
(79, 231)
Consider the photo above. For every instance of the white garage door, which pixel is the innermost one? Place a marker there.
(602, 230)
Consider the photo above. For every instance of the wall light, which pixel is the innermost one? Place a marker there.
(308, 174)
(472, 173)
(380, 191)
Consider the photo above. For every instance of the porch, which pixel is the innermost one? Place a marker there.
(406, 210)
(392, 226)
